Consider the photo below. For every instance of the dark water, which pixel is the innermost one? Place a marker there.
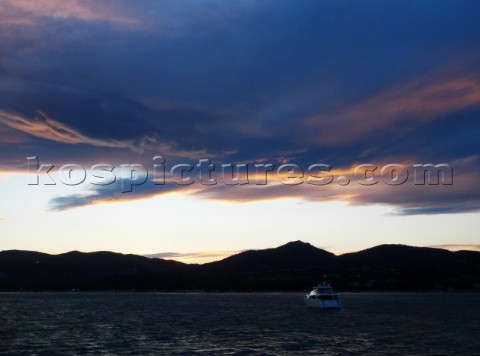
(150, 323)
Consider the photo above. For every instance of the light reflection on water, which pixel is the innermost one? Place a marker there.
(268, 323)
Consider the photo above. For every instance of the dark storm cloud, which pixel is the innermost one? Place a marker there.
(332, 82)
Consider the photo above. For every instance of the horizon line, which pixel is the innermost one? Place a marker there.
(203, 257)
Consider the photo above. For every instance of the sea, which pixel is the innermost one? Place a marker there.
(238, 324)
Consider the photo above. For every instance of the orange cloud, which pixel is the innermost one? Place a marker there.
(10, 136)
(47, 128)
(406, 199)
(44, 127)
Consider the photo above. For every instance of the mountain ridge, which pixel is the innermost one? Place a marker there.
(293, 266)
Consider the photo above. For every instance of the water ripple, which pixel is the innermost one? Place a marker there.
(237, 324)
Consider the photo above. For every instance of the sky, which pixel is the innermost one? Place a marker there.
(197, 129)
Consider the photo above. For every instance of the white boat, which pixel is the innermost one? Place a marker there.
(323, 296)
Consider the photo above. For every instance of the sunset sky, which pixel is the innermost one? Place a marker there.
(339, 83)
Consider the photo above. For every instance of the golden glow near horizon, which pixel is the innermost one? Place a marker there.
(179, 222)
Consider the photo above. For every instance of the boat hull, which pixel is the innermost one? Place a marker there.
(322, 304)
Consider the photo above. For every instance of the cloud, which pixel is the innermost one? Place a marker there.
(26, 12)
(9, 135)
(47, 128)
(114, 194)
(44, 127)
(440, 93)
(2, 218)
(411, 203)
(194, 257)
(248, 81)
(407, 199)
(237, 80)
(160, 19)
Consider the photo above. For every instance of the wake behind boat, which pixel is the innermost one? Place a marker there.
(323, 296)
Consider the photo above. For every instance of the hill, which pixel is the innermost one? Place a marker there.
(294, 266)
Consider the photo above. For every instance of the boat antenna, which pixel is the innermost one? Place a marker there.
(324, 279)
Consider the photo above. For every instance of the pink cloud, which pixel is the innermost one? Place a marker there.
(434, 95)
(27, 12)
